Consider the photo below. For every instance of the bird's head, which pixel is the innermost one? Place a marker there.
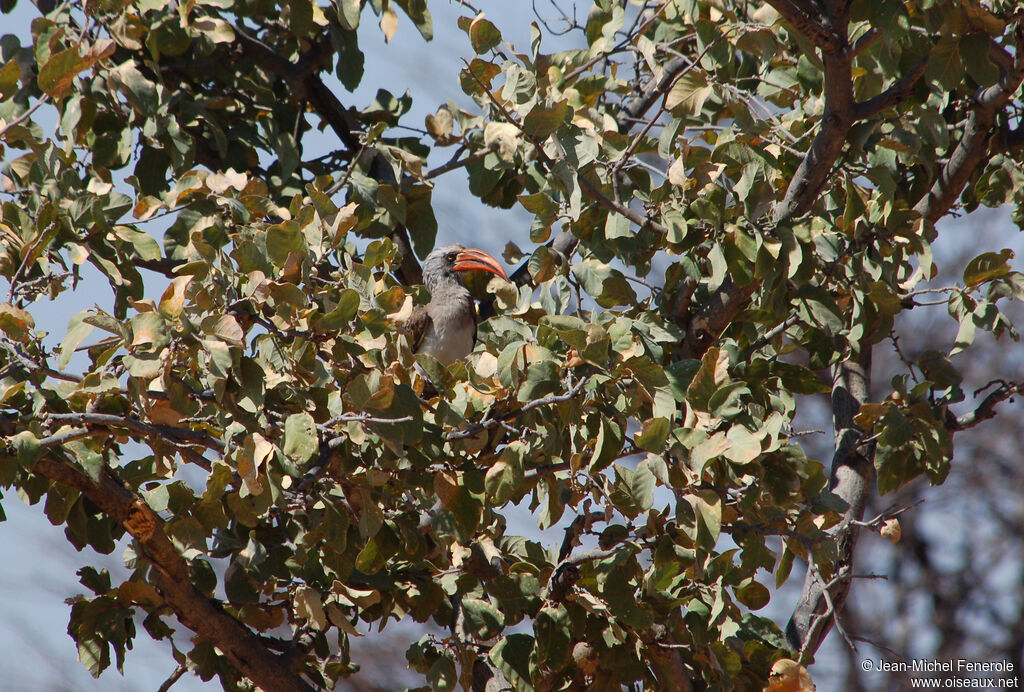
(444, 264)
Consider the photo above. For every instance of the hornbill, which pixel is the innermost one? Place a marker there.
(445, 328)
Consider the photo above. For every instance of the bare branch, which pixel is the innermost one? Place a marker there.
(305, 83)
(173, 678)
(836, 120)
(986, 409)
(26, 115)
(610, 204)
(30, 365)
(633, 109)
(865, 41)
(457, 163)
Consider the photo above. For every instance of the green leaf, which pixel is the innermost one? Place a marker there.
(483, 620)
(975, 51)
(417, 11)
(348, 12)
(988, 266)
(544, 119)
(300, 17)
(78, 330)
(653, 435)
(541, 380)
(553, 628)
(511, 655)
(753, 595)
(608, 445)
(27, 449)
(689, 93)
(282, 240)
(342, 314)
(300, 437)
(607, 285)
(483, 35)
(944, 64)
(351, 61)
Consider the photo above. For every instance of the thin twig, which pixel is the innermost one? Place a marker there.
(459, 163)
(21, 118)
(494, 422)
(165, 431)
(175, 676)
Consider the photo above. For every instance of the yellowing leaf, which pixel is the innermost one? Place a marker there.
(173, 300)
(342, 222)
(309, 606)
(891, 529)
(765, 14)
(221, 182)
(56, 76)
(440, 125)
(217, 30)
(677, 173)
(351, 596)
(388, 23)
(339, 620)
(688, 94)
(224, 327)
(486, 365)
(254, 453)
(15, 322)
(161, 412)
(149, 329)
(504, 137)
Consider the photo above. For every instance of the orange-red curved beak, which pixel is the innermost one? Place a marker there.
(471, 258)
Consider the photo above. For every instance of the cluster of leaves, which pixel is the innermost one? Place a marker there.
(269, 413)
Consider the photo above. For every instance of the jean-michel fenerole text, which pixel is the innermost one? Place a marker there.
(930, 665)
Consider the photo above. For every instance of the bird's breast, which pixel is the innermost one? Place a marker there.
(451, 332)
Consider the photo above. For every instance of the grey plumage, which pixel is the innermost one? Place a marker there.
(446, 327)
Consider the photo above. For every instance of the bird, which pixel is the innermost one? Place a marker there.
(445, 328)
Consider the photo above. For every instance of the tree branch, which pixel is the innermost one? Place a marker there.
(651, 93)
(536, 403)
(704, 328)
(29, 365)
(852, 479)
(836, 120)
(801, 15)
(894, 95)
(971, 150)
(172, 578)
(107, 420)
(304, 83)
(986, 410)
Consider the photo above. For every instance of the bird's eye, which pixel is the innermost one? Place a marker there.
(452, 256)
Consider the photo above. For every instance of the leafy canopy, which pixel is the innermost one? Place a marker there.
(727, 202)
